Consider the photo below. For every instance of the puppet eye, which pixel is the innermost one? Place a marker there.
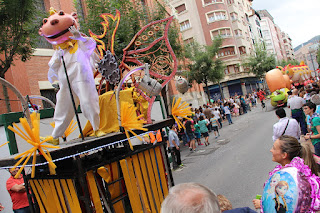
(61, 13)
(45, 20)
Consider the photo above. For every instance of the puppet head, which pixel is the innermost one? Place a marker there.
(55, 28)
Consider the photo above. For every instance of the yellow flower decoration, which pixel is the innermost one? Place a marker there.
(32, 136)
(70, 128)
(180, 110)
(130, 120)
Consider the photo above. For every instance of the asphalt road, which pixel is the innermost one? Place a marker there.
(238, 162)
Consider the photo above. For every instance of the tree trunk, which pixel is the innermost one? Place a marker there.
(6, 97)
(221, 92)
(207, 90)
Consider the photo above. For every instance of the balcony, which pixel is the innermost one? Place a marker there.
(234, 76)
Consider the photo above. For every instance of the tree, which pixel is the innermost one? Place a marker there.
(284, 63)
(134, 15)
(260, 61)
(19, 22)
(205, 66)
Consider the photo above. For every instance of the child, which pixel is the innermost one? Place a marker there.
(203, 129)
(226, 206)
(215, 124)
(197, 133)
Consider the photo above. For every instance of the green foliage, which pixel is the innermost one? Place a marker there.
(133, 17)
(284, 63)
(205, 67)
(260, 62)
(19, 23)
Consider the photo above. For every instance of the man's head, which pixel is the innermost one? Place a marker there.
(281, 113)
(295, 92)
(13, 172)
(191, 198)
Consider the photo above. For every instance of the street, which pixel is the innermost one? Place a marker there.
(238, 162)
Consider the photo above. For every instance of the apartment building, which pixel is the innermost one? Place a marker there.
(202, 20)
(255, 27)
(308, 54)
(287, 46)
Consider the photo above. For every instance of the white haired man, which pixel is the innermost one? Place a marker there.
(191, 198)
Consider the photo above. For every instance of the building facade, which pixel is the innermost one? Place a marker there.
(308, 54)
(270, 34)
(202, 20)
(287, 46)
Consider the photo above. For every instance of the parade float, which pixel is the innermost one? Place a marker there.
(101, 171)
(279, 81)
(279, 85)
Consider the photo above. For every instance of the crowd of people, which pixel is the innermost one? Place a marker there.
(209, 118)
(296, 144)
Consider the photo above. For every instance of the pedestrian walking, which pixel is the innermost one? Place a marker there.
(214, 122)
(218, 116)
(190, 133)
(174, 148)
(228, 113)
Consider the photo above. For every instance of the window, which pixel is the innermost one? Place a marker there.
(257, 22)
(226, 51)
(50, 94)
(181, 8)
(216, 16)
(188, 40)
(185, 25)
(260, 33)
(238, 33)
(206, 2)
(231, 69)
(226, 71)
(242, 50)
(265, 33)
(223, 32)
(234, 16)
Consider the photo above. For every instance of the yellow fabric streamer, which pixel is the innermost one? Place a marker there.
(180, 110)
(130, 120)
(32, 136)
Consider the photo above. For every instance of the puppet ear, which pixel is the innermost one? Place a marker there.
(75, 16)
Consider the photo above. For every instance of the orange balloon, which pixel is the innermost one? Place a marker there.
(275, 80)
(288, 81)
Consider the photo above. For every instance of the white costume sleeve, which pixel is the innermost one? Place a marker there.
(54, 65)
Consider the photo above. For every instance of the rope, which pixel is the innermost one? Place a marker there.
(81, 153)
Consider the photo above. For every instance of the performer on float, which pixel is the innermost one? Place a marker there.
(61, 30)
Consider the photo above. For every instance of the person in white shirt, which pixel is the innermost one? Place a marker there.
(285, 126)
(295, 103)
(217, 115)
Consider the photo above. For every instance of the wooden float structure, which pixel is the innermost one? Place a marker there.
(101, 175)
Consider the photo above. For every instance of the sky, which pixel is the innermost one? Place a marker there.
(299, 18)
